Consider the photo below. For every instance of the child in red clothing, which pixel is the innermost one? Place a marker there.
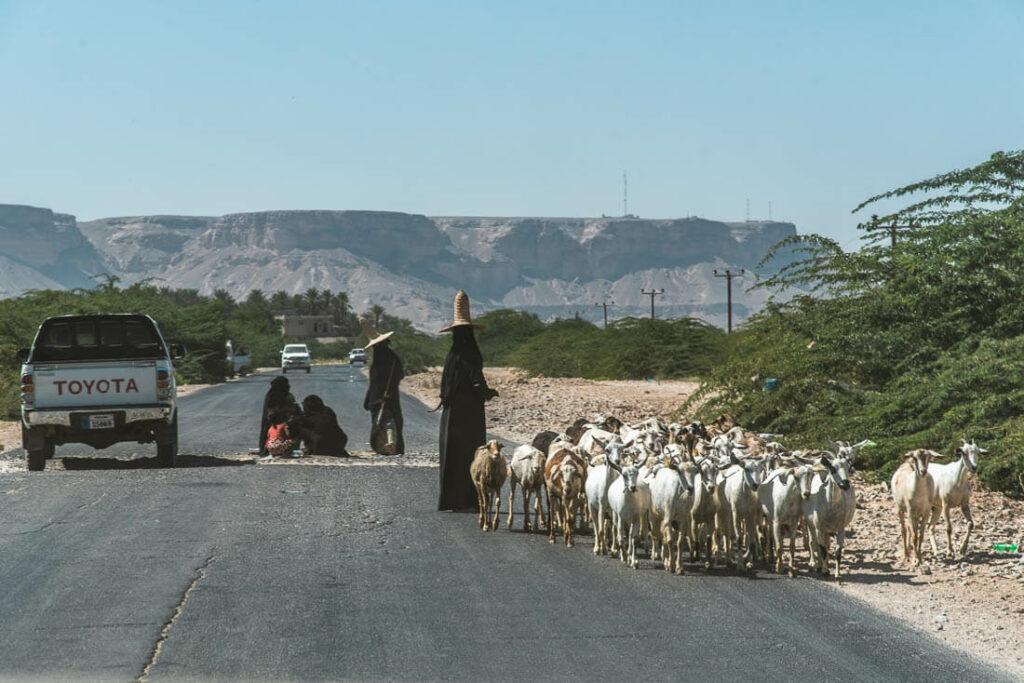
(279, 438)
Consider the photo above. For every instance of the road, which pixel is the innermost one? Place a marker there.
(117, 570)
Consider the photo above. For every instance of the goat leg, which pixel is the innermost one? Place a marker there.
(551, 519)
(481, 503)
(966, 509)
(497, 510)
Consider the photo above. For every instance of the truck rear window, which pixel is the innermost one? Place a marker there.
(97, 339)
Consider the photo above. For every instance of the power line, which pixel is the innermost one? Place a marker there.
(652, 293)
(729, 275)
(605, 304)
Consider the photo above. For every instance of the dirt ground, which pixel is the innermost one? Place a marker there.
(527, 405)
(975, 604)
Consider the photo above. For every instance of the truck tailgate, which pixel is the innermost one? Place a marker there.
(91, 385)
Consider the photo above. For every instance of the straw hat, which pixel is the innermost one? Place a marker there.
(371, 332)
(462, 317)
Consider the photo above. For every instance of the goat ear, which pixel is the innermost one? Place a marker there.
(733, 459)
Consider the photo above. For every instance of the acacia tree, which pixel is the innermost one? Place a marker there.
(911, 337)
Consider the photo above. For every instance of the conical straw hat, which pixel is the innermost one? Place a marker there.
(371, 333)
(462, 317)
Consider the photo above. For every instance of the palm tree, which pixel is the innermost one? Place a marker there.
(280, 301)
(376, 313)
(311, 297)
(256, 297)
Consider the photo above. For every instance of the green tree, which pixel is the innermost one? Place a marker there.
(930, 299)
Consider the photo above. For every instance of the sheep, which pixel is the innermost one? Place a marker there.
(703, 511)
(953, 489)
(627, 504)
(737, 506)
(671, 502)
(564, 473)
(526, 470)
(599, 477)
(912, 489)
(779, 497)
(828, 504)
(488, 471)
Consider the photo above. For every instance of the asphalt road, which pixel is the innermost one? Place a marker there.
(115, 570)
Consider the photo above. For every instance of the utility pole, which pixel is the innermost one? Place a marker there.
(729, 275)
(652, 293)
(605, 304)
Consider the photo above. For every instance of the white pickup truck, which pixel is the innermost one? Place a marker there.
(98, 380)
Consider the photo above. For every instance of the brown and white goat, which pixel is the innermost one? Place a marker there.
(488, 471)
(912, 490)
(564, 476)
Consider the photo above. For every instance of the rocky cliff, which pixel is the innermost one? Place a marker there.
(40, 249)
(411, 264)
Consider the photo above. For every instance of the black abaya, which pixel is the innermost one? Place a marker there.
(321, 433)
(463, 422)
(278, 398)
(386, 372)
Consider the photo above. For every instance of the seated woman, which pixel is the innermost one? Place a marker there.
(278, 397)
(320, 431)
(280, 438)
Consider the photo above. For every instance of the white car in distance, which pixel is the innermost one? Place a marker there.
(295, 357)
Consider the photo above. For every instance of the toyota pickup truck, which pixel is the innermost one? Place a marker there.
(98, 380)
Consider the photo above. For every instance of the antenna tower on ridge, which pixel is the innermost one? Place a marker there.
(625, 196)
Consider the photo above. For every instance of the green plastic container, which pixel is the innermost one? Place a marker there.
(1005, 547)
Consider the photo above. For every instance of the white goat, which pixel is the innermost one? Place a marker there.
(828, 504)
(627, 505)
(671, 501)
(953, 489)
(779, 496)
(912, 489)
(527, 471)
(737, 507)
(595, 440)
(703, 511)
(599, 477)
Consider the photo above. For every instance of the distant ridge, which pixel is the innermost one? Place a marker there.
(409, 263)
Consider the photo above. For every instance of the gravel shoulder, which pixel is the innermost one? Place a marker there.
(975, 604)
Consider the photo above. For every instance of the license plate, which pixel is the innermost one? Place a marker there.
(101, 422)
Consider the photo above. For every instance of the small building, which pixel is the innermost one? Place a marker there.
(306, 326)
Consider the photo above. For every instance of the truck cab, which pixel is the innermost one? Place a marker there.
(98, 380)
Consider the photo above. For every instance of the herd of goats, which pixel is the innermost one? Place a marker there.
(730, 495)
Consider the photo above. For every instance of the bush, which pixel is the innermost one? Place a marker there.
(628, 349)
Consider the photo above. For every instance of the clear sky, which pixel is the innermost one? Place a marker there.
(500, 108)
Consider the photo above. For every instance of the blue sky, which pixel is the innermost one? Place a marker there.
(517, 108)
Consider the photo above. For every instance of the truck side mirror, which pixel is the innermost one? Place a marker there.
(177, 351)
(23, 355)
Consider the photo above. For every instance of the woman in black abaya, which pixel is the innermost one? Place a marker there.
(278, 398)
(463, 422)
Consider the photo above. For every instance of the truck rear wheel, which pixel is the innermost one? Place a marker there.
(167, 445)
(36, 460)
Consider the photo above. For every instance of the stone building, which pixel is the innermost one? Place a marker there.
(306, 326)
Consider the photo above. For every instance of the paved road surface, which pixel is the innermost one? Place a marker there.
(317, 572)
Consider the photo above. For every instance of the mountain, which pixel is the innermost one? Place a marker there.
(411, 264)
(40, 249)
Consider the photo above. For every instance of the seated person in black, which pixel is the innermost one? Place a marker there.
(320, 432)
